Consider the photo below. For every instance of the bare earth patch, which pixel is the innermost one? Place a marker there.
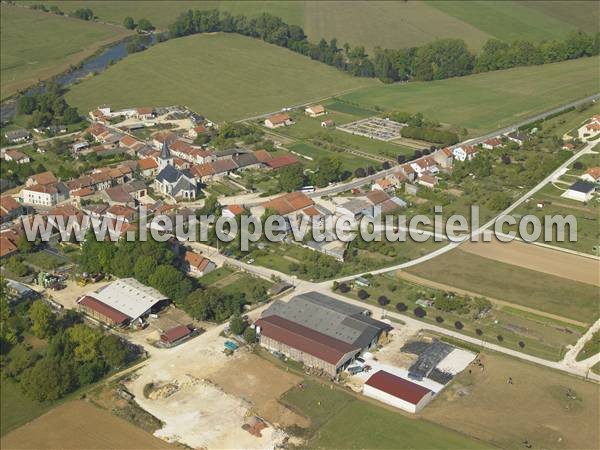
(534, 257)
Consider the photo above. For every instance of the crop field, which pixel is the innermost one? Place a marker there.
(223, 76)
(556, 295)
(339, 420)
(78, 424)
(399, 24)
(487, 101)
(37, 45)
(545, 407)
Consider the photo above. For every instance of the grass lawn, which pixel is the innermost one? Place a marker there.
(16, 409)
(235, 283)
(340, 420)
(590, 348)
(488, 101)
(37, 45)
(44, 260)
(349, 162)
(514, 284)
(232, 86)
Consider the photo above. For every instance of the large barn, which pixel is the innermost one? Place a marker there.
(319, 331)
(121, 302)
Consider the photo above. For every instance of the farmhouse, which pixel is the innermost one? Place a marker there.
(592, 175)
(492, 143)
(319, 331)
(465, 153)
(121, 302)
(315, 111)
(278, 120)
(428, 180)
(198, 265)
(580, 191)
(398, 392)
(16, 156)
(289, 203)
(279, 162)
(444, 158)
(517, 137)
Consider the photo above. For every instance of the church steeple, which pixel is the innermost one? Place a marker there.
(165, 158)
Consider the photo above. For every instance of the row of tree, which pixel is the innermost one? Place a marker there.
(443, 58)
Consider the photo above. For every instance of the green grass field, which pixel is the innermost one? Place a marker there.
(590, 348)
(514, 284)
(339, 420)
(398, 24)
(37, 45)
(487, 101)
(222, 76)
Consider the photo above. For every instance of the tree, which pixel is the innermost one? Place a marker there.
(113, 350)
(521, 344)
(439, 319)
(419, 312)
(42, 319)
(401, 159)
(478, 332)
(129, 23)
(383, 300)
(144, 268)
(145, 25)
(16, 266)
(329, 170)
(401, 307)
(363, 295)
(343, 287)
(458, 325)
(500, 338)
(360, 173)
(86, 340)
(250, 335)
(291, 178)
(170, 282)
(71, 115)
(83, 14)
(47, 380)
(236, 324)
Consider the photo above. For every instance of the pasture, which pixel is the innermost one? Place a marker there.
(487, 101)
(545, 407)
(37, 45)
(15, 408)
(549, 293)
(223, 76)
(78, 424)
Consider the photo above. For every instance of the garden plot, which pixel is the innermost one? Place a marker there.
(374, 128)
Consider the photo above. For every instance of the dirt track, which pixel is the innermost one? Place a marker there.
(80, 425)
(534, 257)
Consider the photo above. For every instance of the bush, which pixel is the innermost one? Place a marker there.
(458, 325)
(439, 319)
(363, 295)
(521, 344)
(500, 338)
(383, 300)
(419, 312)
(401, 307)
(250, 335)
(343, 288)
(478, 332)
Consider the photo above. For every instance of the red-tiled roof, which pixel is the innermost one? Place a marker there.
(147, 164)
(288, 203)
(278, 162)
(398, 387)
(6, 247)
(304, 339)
(174, 334)
(102, 308)
(236, 210)
(44, 178)
(278, 118)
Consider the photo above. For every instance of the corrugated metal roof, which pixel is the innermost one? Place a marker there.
(104, 309)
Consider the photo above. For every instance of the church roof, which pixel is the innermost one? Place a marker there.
(169, 174)
(165, 153)
(183, 185)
